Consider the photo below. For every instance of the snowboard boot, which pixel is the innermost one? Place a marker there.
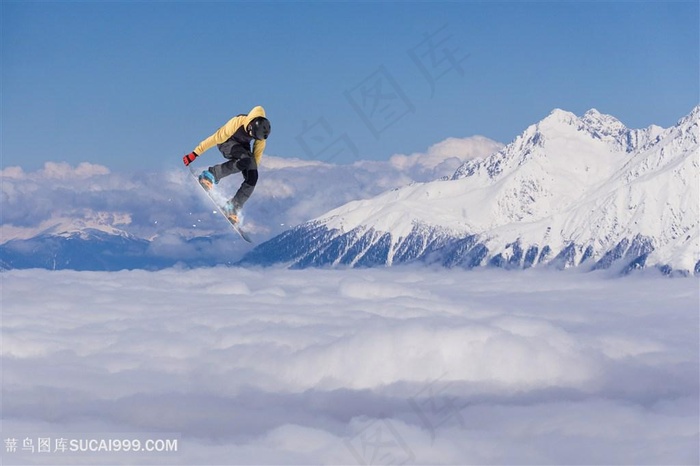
(207, 180)
(231, 211)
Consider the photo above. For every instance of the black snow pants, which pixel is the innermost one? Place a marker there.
(240, 159)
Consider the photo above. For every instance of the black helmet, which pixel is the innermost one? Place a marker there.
(259, 128)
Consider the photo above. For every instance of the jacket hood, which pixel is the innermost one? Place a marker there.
(253, 114)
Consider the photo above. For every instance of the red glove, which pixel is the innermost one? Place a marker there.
(189, 158)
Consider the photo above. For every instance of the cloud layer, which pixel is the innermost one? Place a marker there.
(61, 197)
(408, 366)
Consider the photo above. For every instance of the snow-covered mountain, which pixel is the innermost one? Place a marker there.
(569, 191)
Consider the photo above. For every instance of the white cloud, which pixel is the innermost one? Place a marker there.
(443, 158)
(289, 192)
(12, 172)
(277, 163)
(63, 170)
(56, 170)
(272, 366)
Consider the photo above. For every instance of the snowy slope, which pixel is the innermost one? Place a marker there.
(568, 190)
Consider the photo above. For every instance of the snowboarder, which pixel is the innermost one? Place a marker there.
(233, 140)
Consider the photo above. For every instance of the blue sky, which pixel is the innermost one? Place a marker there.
(134, 85)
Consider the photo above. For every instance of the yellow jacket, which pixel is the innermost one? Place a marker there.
(233, 125)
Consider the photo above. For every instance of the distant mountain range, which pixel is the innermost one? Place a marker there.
(94, 249)
(568, 192)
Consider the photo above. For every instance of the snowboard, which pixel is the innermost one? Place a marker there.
(236, 226)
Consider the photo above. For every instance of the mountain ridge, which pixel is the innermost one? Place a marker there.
(568, 191)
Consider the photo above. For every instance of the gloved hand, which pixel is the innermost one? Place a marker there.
(189, 158)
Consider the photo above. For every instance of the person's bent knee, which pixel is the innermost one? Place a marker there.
(244, 164)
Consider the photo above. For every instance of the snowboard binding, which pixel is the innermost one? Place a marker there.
(207, 180)
(231, 212)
